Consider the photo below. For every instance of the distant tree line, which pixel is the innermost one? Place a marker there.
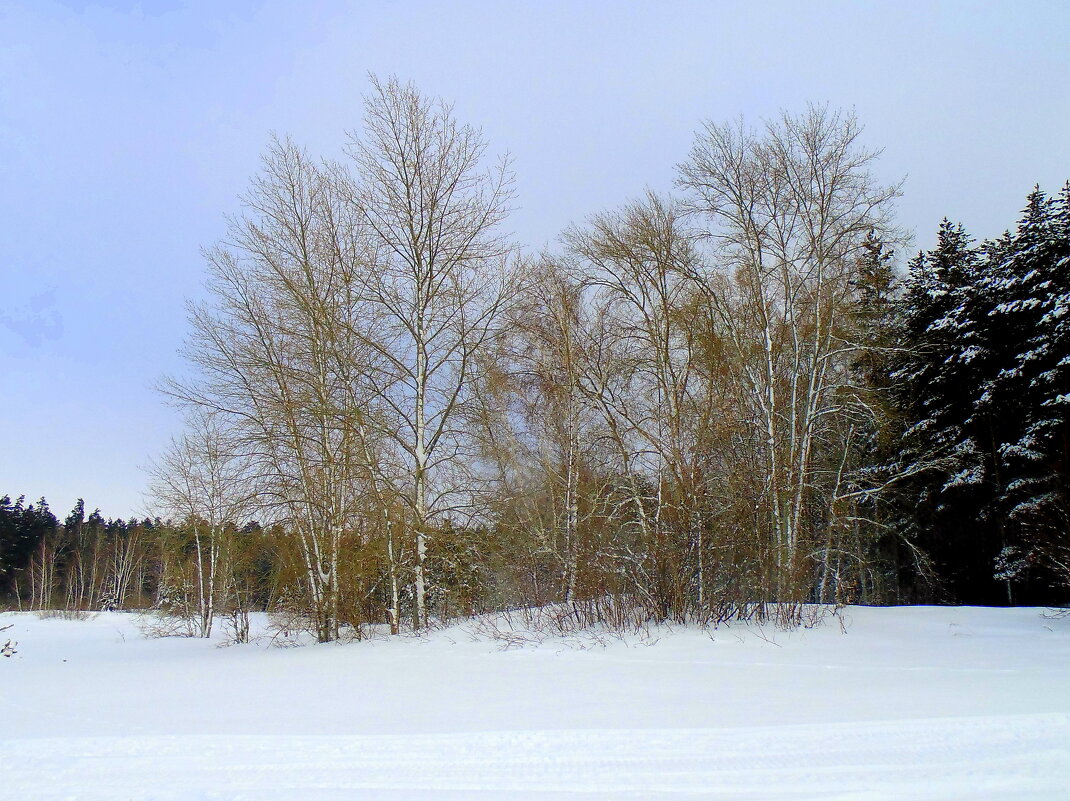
(727, 402)
(87, 563)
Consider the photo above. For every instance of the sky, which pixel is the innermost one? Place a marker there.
(128, 131)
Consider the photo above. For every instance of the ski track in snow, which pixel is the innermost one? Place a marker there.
(1006, 757)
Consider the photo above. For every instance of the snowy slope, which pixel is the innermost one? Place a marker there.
(910, 703)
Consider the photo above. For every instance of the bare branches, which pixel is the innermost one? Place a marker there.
(435, 294)
(790, 211)
(662, 416)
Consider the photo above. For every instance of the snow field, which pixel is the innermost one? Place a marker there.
(910, 703)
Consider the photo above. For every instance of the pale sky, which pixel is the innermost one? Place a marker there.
(127, 130)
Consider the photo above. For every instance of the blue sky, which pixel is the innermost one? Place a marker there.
(128, 129)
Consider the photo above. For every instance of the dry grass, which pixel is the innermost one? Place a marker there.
(65, 614)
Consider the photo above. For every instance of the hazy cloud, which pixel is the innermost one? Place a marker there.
(36, 321)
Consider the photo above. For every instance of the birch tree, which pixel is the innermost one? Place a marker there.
(643, 270)
(266, 346)
(787, 210)
(431, 209)
(203, 483)
(542, 432)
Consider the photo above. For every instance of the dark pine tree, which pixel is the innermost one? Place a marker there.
(22, 527)
(876, 316)
(947, 503)
(1029, 393)
(984, 388)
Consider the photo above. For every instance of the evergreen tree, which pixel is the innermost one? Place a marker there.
(74, 521)
(1031, 390)
(984, 385)
(22, 527)
(946, 498)
(878, 325)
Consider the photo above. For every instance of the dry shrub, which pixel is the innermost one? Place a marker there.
(65, 614)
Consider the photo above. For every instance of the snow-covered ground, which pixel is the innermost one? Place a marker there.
(909, 703)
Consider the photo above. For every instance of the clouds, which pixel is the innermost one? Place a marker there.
(34, 321)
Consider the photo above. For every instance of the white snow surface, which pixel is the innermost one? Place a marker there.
(909, 703)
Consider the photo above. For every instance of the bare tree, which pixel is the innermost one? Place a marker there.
(432, 298)
(641, 373)
(788, 211)
(266, 347)
(203, 483)
(541, 430)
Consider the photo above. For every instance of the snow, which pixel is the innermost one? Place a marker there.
(908, 703)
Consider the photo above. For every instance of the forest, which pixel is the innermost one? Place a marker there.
(725, 402)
